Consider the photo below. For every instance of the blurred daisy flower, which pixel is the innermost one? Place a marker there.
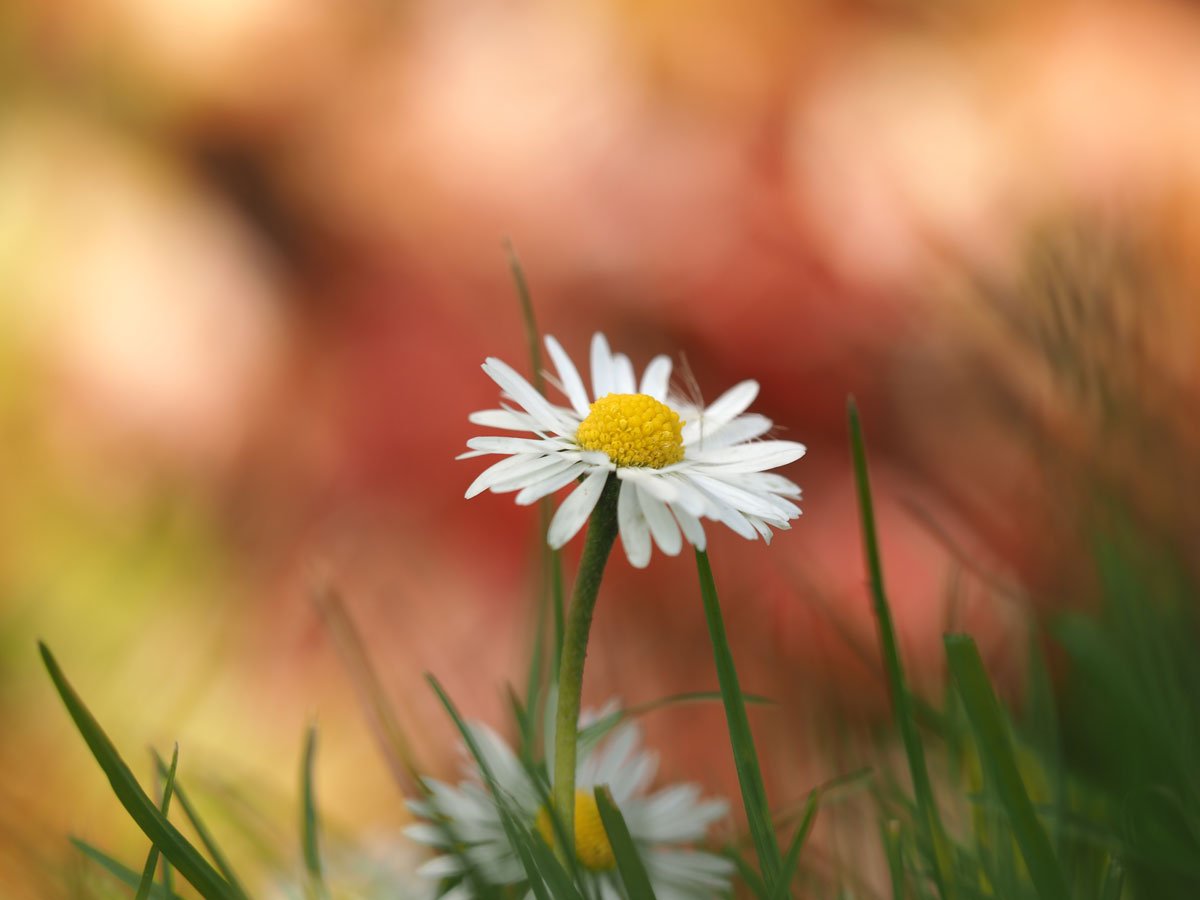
(663, 824)
(678, 462)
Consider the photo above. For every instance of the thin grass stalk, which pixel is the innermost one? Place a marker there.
(903, 707)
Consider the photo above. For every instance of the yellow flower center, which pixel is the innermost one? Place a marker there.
(592, 848)
(634, 430)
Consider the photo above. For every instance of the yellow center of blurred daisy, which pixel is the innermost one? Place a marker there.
(592, 848)
(634, 430)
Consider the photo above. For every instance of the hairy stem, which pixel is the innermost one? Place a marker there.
(602, 531)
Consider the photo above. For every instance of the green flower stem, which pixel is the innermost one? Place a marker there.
(602, 531)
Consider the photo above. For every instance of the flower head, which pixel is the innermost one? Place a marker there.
(663, 824)
(678, 462)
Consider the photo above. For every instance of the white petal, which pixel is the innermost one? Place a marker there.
(722, 511)
(753, 457)
(662, 524)
(724, 409)
(503, 418)
(551, 483)
(660, 486)
(614, 754)
(424, 833)
(515, 385)
(635, 533)
(656, 378)
(572, 384)
(687, 496)
(691, 527)
(518, 465)
(740, 430)
(496, 444)
(440, 867)
(533, 474)
(602, 374)
(777, 484)
(676, 814)
(576, 509)
(504, 766)
(623, 379)
(761, 527)
(739, 498)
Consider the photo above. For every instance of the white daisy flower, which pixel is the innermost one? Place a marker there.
(678, 463)
(663, 824)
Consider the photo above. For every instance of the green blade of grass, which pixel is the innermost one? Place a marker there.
(164, 863)
(752, 879)
(902, 699)
(147, 883)
(557, 879)
(186, 859)
(310, 838)
(1114, 881)
(594, 733)
(999, 762)
(890, 833)
(629, 862)
(214, 850)
(119, 870)
(792, 857)
(745, 758)
(517, 836)
(552, 588)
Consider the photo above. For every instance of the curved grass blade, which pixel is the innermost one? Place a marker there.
(557, 880)
(152, 857)
(202, 832)
(903, 707)
(552, 588)
(752, 879)
(592, 735)
(186, 859)
(890, 832)
(119, 870)
(629, 862)
(309, 825)
(517, 836)
(996, 754)
(164, 863)
(745, 758)
(780, 891)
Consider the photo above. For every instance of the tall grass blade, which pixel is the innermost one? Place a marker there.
(792, 857)
(751, 878)
(119, 870)
(1000, 765)
(594, 733)
(745, 758)
(147, 883)
(558, 881)
(214, 850)
(902, 699)
(187, 860)
(552, 587)
(521, 840)
(629, 862)
(168, 882)
(890, 833)
(309, 824)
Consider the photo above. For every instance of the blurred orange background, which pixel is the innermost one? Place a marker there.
(251, 258)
